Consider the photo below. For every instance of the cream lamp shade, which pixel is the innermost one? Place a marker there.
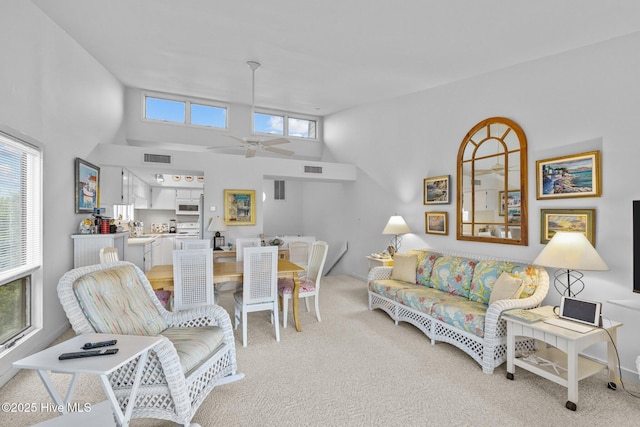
(217, 224)
(396, 226)
(570, 252)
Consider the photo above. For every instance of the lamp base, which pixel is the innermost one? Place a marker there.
(568, 283)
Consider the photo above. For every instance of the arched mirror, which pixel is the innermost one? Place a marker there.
(492, 183)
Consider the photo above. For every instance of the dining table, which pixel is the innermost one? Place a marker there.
(161, 278)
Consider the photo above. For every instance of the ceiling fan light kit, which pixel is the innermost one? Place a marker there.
(253, 143)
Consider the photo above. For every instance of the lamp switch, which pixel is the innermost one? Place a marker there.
(212, 208)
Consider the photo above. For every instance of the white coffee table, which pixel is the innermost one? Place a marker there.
(130, 348)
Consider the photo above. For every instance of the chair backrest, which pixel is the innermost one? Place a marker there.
(196, 244)
(260, 280)
(299, 253)
(192, 278)
(246, 242)
(317, 258)
(108, 254)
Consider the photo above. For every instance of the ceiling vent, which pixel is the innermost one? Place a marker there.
(477, 182)
(157, 158)
(313, 169)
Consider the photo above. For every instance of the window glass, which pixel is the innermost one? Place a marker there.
(165, 110)
(268, 123)
(302, 128)
(206, 115)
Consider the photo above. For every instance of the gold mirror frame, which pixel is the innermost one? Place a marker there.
(492, 184)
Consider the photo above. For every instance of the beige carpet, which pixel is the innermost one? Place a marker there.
(355, 368)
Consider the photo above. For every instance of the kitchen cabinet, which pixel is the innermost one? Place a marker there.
(110, 187)
(189, 193)
(163, 198)
(86, 247)
(485, 200)
(141, 193)
(140, 252)
(163, 254)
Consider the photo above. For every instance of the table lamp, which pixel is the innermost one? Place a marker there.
(396, 226)
(570, 252)
(217, 224)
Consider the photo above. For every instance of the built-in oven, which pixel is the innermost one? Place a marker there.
(187, 207)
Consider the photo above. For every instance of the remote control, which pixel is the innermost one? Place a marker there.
(90, 353)
(91, 345)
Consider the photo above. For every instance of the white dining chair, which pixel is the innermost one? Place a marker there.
(196, 244)
(108, 255)
(245, 242)
(310, 285)
(192, 278)
(299, 254)
(260, 289)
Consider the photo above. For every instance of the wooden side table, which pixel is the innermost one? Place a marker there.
(561, 362)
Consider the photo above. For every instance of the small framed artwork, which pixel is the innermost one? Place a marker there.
(509, 201)
(436, 223)
(577, 220)
(87, 186)
(578, 175)
(436, 190)
(240, 207)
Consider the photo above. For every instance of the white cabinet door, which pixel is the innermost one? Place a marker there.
(163, 198)
(110, 187)
(189, 193)
(165, 251)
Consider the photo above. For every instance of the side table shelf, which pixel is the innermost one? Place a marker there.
(557, 358)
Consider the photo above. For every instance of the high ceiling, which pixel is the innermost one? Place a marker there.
(325, 56)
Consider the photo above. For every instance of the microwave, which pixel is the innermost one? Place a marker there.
(187, 207)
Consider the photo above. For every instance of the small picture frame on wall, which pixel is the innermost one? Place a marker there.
(240, 207)
(577, 175)
(436, 190)
(437, 223)
(508, 201)
(577, 220)
(87, 186)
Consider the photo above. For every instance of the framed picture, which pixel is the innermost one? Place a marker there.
(87, 186)
(553, 220)
(240, 207)
(436, 190)
(578, 175)
(436, 223)
(509, 201)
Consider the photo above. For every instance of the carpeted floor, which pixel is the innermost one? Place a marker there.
(356, 368)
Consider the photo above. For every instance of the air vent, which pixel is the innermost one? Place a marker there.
(313, 169)
(477, 182)
(278, 190)
(157, 158)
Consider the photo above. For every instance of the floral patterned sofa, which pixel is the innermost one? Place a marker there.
(448, 296)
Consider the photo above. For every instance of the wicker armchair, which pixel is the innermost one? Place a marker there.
(196, 354)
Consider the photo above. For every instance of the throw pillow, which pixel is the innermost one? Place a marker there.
(404, 267)
(506, 287)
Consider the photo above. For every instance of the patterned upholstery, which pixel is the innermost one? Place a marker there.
(194, 345)
(390, 287)
(487, 272)
(453, 275)
(426, 259)
(461, 313)
(285, 285)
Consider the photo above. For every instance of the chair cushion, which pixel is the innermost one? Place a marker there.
(421, 298)
(389, 288)
(453, 274)
(461, 313)
(194, 345)
(426, 260)
(115, 301)
(285, 286)
(404, 268)
(487, 272)
(506, 287)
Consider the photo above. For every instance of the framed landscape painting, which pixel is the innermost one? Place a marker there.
(436, 223)
(240, 207)
(87, 186)
(578, 175)
(578, 220)
(510, 201)
(436, 190)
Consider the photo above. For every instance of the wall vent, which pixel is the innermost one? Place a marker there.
(313, 169)
(477, 182)
(157, 158)
(278, 190)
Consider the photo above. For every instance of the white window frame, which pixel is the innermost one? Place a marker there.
(286, 116)
(187, 113)
(34, 267)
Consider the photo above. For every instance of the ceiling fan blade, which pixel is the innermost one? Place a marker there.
(224, 146)
(236, 138)
(250, 152)
(276, 141)
(279, 151)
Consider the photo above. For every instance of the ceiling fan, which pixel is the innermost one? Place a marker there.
(253, 143)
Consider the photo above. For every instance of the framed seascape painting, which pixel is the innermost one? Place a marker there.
(436, 190)
(436, 223)
(87, 186)
(509, 201)
(580, 220)
(578, 175)
(240, 207)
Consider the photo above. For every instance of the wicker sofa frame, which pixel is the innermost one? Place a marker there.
(165, 391)
(490, 351)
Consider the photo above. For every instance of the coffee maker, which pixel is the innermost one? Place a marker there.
(172, 226)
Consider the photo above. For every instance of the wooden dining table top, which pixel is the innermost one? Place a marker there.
(161, 277)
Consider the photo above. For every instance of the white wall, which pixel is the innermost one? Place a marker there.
(577, 101)
(56, 94)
